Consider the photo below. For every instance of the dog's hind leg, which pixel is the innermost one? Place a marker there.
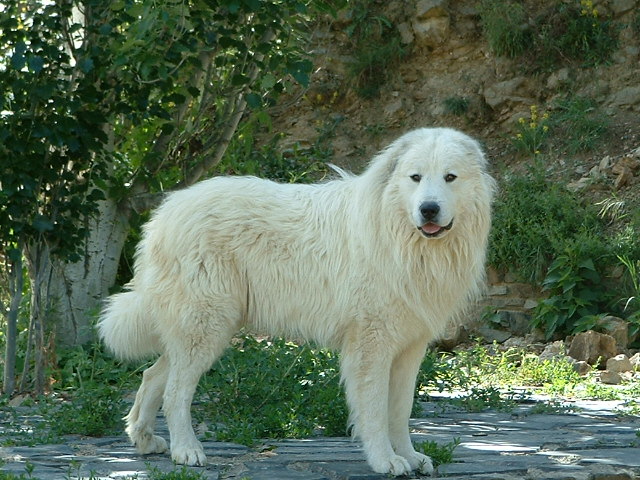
(404, 370)
(189, 357)
(141, 419)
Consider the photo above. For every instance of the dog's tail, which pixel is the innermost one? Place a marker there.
(126, 329)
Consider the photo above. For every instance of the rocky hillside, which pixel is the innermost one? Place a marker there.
(448, 75)
(443, 70)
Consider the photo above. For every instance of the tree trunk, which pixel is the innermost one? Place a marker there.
(16, 283)
(77, 289)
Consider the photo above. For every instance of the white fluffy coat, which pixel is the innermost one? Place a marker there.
(347, 264)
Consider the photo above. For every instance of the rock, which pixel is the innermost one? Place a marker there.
(593, 347)
(581, 367)
(635, 361)
(619, 363)
(454, 336)
(431, 9)
(579, 184)
(626, 163)
(515, 342)
(491, 335)
(617, 328)
(623, 179)
(626, 97)
(536, 336)
(558, 79)
(497, 290)
(406, 33)
(501, 93)
(610, 378)
(553, 351)
(605, 163)
(619, 7)
(432, 31)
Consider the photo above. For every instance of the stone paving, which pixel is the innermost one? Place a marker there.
(595, 443)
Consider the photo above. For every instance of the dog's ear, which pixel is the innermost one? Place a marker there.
(385, 162)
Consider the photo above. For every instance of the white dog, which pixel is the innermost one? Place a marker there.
(374, 265)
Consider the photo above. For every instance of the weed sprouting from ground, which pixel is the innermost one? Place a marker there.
(439, 454)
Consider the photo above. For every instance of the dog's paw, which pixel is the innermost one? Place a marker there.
(151, 444)
(192, 456)
(145, 441)
(420, 463)
(393, 464)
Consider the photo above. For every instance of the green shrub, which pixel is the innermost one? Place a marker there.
(577, 31)
(534, 221)
(273, 389)
(567, 31)
(95, 411)
(505, 26)
(377, 48)
(579, 124)
(576, 296)
(457, 106)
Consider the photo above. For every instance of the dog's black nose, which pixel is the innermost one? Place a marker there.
(429, 210)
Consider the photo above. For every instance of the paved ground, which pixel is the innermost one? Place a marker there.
(596, 443)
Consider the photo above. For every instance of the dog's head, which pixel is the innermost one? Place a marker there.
(440, 177)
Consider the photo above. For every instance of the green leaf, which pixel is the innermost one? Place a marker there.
(35, 63)
(85, 64)
(42, 224)
(268, 81)
(239, 79)
(254, 100)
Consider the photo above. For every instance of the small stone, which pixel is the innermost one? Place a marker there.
(635, 361)
(552, 351)
(626, 97)
(579, 184)
(581, 367)
(617, 328)
(491, 335)
(432, 31)
(621, 6)
(593, 347)
(431, 8)
(619, 363)
(406, 34)
(558, 79)
(623, 179)
(610, 378)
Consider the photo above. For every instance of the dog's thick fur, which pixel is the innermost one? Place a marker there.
(374, 265)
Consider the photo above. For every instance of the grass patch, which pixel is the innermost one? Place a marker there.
(457, 106)
(505, 26)
(579, 124)
(273, 389)
(439, 454)
(573, 31)
(376, 47)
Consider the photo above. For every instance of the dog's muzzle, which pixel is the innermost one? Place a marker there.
(433, 230)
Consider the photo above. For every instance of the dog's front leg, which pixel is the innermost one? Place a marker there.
(365, 368)
(404, 370)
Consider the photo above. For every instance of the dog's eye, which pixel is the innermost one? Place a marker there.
(415, 177)
(450, 177)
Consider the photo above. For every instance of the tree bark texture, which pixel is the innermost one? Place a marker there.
(78, 288)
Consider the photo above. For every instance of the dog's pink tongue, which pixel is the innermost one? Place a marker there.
(431, 228)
